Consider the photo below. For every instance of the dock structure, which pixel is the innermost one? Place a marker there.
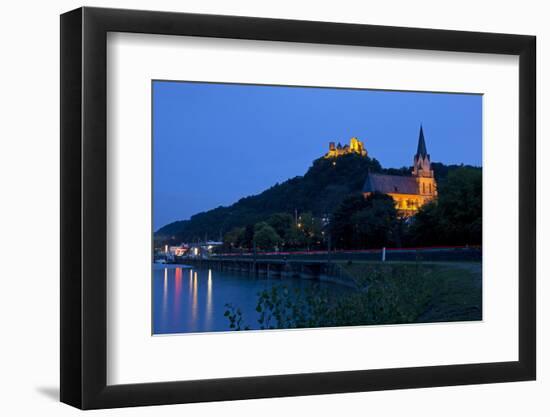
(321, 270)
(326, 266)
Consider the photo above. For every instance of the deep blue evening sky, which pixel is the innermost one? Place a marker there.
(216, 143)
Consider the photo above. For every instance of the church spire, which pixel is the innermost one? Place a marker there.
(421, 150)
(422, 165)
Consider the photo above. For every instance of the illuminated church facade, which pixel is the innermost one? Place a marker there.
(408, 192)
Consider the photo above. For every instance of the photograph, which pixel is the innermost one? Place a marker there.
(299, 207)
(302, 206)
(270, 209)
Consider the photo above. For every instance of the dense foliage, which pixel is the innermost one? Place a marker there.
(456, 217)
(361, 222)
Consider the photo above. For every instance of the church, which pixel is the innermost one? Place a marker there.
(411, 192)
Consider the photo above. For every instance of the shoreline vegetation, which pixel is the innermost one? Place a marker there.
(387, 293)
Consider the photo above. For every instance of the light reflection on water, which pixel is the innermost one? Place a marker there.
(197, 304)
(177, 293)
(165, 295)
(209, 300)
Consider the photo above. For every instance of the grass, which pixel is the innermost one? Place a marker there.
(432, 291)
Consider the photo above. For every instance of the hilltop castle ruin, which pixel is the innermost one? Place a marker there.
(355, 146)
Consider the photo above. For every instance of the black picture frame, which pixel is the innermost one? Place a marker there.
(84, 207)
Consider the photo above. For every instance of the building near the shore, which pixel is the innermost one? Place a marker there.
(409, 192)
(179, 250)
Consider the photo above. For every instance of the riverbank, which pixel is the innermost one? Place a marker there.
(196, 299)
(453, 290)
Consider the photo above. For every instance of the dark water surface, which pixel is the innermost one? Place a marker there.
(189, 300)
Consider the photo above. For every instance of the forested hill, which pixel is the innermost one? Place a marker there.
(326, 183)
(319, 191)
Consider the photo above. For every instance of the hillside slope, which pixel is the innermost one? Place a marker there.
(319, 191)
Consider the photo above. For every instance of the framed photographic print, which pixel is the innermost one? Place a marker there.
(258, 207)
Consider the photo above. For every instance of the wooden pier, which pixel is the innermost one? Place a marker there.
(277, 268)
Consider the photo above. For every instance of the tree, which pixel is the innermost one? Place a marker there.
(455, 218)
(248, 237)
(425, 227)
(309, 230)
(376, 225)
(361, 222)
(282, 223)
(341, 225)
(265, 236)
(234, 238)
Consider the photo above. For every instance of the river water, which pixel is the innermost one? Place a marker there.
(187, 300)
